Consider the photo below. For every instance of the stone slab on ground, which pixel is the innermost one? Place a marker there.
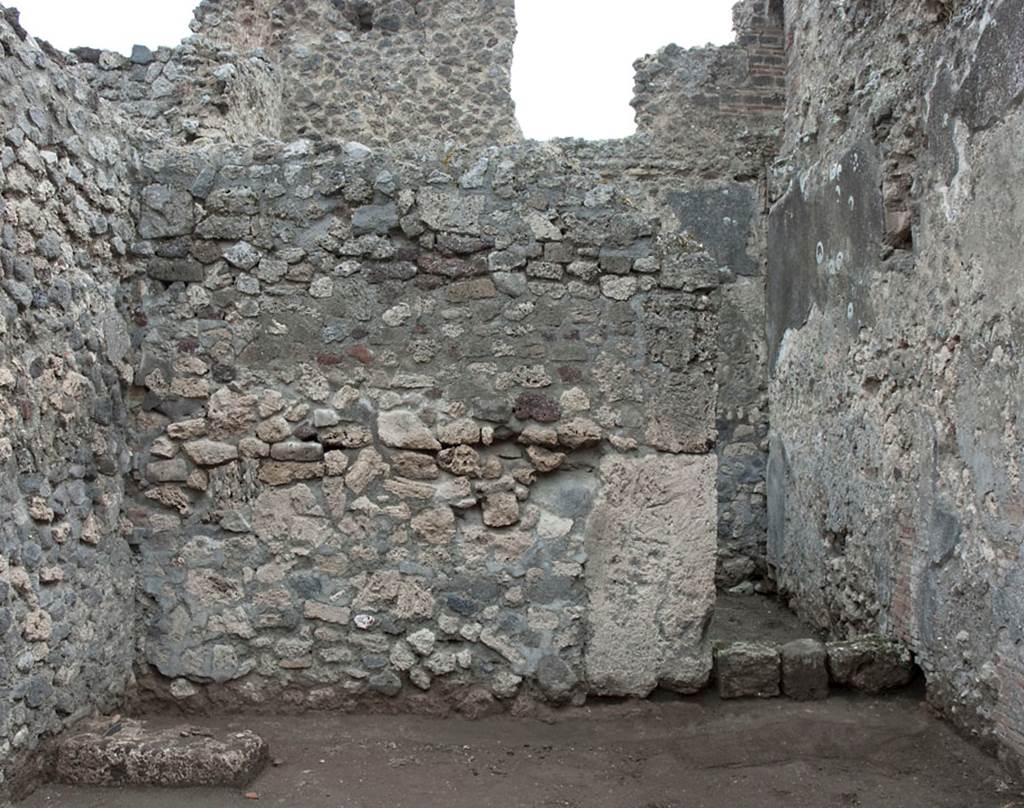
(747, 669)
(127, 752)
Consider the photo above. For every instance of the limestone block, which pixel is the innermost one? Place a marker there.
(460, 460)
(368, 466)
(422, 641)
(618, 288)
(543, 460)
(804, 670)
(579, 432)
(402, 429)
(346, 436)
(126, 752)
(210, 452)
(747, 669)
(445, 210)
(325, 612)
(275, 472)
(415, 466)
(650, 543)
(435, 525)
(462, 431)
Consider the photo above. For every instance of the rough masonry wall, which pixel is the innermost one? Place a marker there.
(894, 330)
(406, 427)
(709, 122)
(382, 71)
(735, 91)
(202, 89)
(432, 424)
(66, 581)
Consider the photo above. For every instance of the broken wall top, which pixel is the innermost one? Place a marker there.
(381, 72)
(389, 73)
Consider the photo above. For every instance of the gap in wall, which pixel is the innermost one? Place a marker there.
(572, 75)
(114, 25)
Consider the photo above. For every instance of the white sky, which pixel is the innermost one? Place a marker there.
(573, 69)
(572, 75)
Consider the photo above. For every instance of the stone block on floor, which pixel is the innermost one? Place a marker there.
(115, 752)
(747, 669)
(872, 664)
(804, 670)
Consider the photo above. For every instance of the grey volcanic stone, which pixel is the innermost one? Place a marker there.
(174, 270)
(126, 752)
(374, 219)
(242, 255)
(165, 212)
(804, 670)
(168, 471)
(386, 683)
(141, 55)
(556, 679)
(872, 664)
(747, 669)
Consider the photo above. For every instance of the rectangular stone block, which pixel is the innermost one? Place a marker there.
(125, 752)
(747, 669)
(650, 542)
(804, 670)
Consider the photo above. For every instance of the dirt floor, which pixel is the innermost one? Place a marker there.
(755, 617)
(694, 753)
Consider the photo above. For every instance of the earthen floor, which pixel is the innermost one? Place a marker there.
(692, 753)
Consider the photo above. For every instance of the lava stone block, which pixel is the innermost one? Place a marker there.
(872, 664)
(805, 670)
(747, 669)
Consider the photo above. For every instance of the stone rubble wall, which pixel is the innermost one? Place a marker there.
(894, 320)
(382, 71)
(66, 580)
(735, 91)
(401, 426)
(227, 81)
(434, 427)
(198, 90)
